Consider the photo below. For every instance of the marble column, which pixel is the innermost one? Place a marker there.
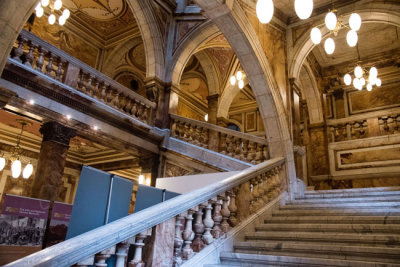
(159, 92)
(52, 159)
(213, 139)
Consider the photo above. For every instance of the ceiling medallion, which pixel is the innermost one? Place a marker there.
(55, 7)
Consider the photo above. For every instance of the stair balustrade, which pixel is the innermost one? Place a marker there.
(235, 144)
(224, 205)
(44, 58)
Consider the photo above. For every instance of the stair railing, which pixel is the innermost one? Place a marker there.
(47, 59)
(235, 144)
(224, 205)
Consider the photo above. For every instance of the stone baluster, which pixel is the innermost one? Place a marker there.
(89, 85)
(110, 96)
(252, 152)
(134, 108)
(141, 111)
(96, 89)
(270, 184)
(40, 60)
(233, 221)
(59, 69)
(265, 153)
(243, 155)
(122, 253)
(137, 260)
(18, 52)
(237, 142)
(178, 241)
(174, 128)
(81, 82)
(260, 189)
(225, 213)
(266, 188)
(103, 93)
(145, 112)
(204, 137)
(217, 218)
(29, 56)
(254, 196)
(181, 130)
(186, 127)
(198, 243)
(189, 133)
(230, 146)
(196, 135)
(187, 251)
(122, 102)
(208, 224)
(259, 156)
(49, 66)
(222, 144)
(115, 99)
(103, 256)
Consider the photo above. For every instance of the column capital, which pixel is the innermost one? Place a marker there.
(213, 97)
(56, 132)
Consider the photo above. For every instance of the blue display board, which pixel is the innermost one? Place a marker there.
(100, 198)
(148, 196)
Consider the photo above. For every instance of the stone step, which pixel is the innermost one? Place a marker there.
(344, 194)
(335, 219)
(321, 250)
(346, 200)
(360, 205)
(353, 190)
(347, 212)
(350, 239)
(256, 260)
(326, 228)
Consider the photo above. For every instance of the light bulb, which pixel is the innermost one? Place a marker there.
(239, 75)
(28, 170)
(39, 12)
(38, 6)
(241, 84)
(303, 8)
(352, 38)
(358, 72)
(331, 20)
(52, 19)
(62, 20)
(141, 179)
(264, 10)
(57, 5)
(369, 87)
(356, 81)
(66, 13)
(2, 163)
(232, 80)
(355, 22)
(378, 82)
(373, 72)
(148, 181)
(372, 80)
(45, 2)
(362, 81)
(347, 79)
(206, 117)
(329, 46)
(16, 168)
(316, 35)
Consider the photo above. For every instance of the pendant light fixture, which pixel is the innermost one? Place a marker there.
(265, 10)
(239, 76)
(303, 8)
(54, 7)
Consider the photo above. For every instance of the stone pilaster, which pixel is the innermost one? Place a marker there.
(212, 118)
(52, 159)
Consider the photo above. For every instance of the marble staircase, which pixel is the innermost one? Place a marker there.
(355, 227)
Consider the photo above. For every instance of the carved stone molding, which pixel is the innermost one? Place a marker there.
(56, 132)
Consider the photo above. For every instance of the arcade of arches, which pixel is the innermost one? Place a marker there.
(176, 58)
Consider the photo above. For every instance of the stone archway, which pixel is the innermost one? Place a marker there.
(13, 15)
(151, 36)
(210, 72)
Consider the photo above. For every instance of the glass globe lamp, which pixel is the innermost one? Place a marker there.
(264, 10)
(329, 46)
(316, 35)
(355, 22)
(347, 79)
(352, 38)
(331, 21)
(358, 72)
(303, 8)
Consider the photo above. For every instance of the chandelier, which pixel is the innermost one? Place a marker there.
(16, 165)
(238, 77)
(265, 9)
(334, 25)
(363, 77)
(53, 5)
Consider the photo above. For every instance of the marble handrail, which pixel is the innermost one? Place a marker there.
(55, 63)
(254, 187)
(235, 144)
